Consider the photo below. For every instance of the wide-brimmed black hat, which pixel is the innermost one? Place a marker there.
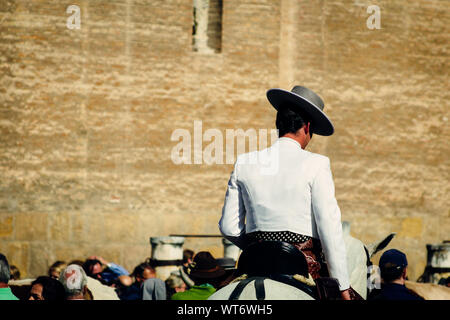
(205, 267)
(305, 101)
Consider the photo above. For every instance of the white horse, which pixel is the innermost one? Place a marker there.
(357, 262)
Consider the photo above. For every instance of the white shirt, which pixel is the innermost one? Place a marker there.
(298, 196)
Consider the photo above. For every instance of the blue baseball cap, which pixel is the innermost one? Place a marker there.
(393, 258)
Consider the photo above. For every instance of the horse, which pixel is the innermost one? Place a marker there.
(358, 264)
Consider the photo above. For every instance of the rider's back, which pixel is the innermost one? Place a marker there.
(279, 200)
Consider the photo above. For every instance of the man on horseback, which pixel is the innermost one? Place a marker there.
(295, 204)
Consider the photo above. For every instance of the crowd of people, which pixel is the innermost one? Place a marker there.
(199, 277)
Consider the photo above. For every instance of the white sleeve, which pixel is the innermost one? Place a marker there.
(329, 227)
(232, 222)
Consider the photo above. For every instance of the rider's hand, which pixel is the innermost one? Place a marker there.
(345, 294)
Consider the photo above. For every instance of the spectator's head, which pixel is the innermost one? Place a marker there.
(55, 269)
(206, 269)
(15, 272)
(143, 271)
(92, 267)
(175, 282)
(47, 288)
(393, 265)
(5, 272)
(188, 254)
(74, 280)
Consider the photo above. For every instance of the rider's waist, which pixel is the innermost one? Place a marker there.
(286, 236)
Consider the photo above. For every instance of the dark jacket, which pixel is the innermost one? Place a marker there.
(133, 292)
(394, 291)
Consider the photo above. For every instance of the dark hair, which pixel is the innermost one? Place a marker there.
(88, 264)
(15, 272)
(52, 289)
(289, 121)
(391, 272)
(140, 268)
(187, 254)
(5, 272)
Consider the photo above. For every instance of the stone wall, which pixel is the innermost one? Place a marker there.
(87, 116)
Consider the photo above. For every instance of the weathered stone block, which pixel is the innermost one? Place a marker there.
(6, 226)
(31, 226)
(60, 227)
(134, 255)
(412, 228)
(41, 257)
(119, 227)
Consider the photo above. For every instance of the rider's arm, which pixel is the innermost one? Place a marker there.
(232, 223)
(327, 216)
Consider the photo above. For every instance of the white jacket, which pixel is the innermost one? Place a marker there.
(298, 196)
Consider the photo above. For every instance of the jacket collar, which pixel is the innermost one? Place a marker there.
(290, 140)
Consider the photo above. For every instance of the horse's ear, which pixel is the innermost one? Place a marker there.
(380, 245)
